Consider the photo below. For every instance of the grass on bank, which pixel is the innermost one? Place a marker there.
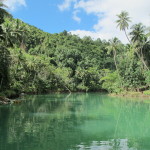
(132, 94)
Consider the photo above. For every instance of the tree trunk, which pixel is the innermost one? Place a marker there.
(142, 59)
(127, 36)
(117, 68)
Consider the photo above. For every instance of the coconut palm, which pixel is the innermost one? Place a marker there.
(139, 40)
(148, 33)
(138, 33)
(14, 32)
(20, 33)
(114, 45)
(8, 32)
(3, 12)
(4, 54)
(123, 22)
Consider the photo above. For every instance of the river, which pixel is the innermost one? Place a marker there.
(79, 121)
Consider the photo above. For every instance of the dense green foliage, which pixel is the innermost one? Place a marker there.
(33, 61)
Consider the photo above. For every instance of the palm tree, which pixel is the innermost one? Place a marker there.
(8, 33)
(4, 54)
(138, 33)
(20, 33)
(14, 32)
(139, 40)
(2, 10)
(114, 44)
(148, 33)
(123, 22)
(3, 14)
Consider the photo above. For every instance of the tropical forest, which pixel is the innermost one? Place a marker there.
(33, 61)
(64, 81)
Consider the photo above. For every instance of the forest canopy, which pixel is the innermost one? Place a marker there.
(34, 61)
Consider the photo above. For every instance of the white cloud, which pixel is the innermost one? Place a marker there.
(92, 34)
(13, 4)
(66, 4)
(106, 11)
(96, 34)
(75, 17)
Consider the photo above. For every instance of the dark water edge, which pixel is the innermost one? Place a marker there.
(75, 121)
(15, 94)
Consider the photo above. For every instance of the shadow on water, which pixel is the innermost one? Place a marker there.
(75, 122)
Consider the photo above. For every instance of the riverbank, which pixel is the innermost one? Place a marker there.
(6, 101)
(129, 94)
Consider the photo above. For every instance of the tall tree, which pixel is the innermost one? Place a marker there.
(4, 53)
(138, 33)
(123, 22)
(114, 44)
(139, 40)
(3, 13)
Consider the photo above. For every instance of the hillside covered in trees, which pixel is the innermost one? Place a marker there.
(33, 61)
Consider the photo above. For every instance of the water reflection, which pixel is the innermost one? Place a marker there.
(119, 144)
(75, 122)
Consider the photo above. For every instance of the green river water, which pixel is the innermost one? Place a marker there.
(75, 122)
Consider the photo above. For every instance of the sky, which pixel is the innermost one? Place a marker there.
(95, 18)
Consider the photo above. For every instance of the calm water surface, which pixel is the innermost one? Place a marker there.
(75, 122)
